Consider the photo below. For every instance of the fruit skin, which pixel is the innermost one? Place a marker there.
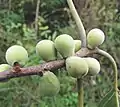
(65, 45)
(49, 84)
(95, 37)
(76, 66)
(46, 50)
(94, 66)
(16, 53)
(77, 45)
(4, 67)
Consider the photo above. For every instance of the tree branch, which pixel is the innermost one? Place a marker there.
(39, 69)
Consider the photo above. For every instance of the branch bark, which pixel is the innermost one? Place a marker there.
(39, 69)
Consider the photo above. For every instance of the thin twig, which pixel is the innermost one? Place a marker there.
(36, 18)
(80, 93)
(9, 5)
(107, 55)
(78, 22)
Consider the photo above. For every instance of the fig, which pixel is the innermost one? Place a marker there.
(95, 37)
(46, 50)
(77, 45)
(49, 84)
(76, 66)
(15, 54)
(65, 45)
(4, 67)
(93, 65)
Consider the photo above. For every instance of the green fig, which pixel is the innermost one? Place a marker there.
(77, 45)
(46, 50)
(16, 53)
(49, 84)
(93, 65)
(4, 67)
(95, 37)
(76, 66)
(65, 45)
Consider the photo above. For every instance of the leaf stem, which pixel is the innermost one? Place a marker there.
(36, 18)
(101, 52)
(80, 93)
(78, 23)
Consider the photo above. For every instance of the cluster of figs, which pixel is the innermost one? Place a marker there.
(65, 47)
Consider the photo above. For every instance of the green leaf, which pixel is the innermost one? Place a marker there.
(110, 100)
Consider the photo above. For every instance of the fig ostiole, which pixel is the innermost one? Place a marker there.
(95, 37)
(93, 65)
(65, 45)
(49, 84)
(15, 54)
(76, 67)
(46, 50)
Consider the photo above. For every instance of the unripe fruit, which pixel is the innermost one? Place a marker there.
(46, 50)
(65, 45)
(76, 66)
(95, 37)
(49, 84)
(4, 67)
(93, 65)
(77, 45)
(16, 53)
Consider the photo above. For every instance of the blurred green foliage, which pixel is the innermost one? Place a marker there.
(55, 19)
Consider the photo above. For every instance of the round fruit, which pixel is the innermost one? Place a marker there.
(65, 45)
(49, 84)
(95, 38)
(76, 66)
(4, 67)
(77, 45)
(16, 53)
(93, 65)
(46, 50)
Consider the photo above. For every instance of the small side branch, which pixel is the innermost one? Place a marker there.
(9, 5)
(36, 18)
(80, 93)
(107, 55)
(78, 22)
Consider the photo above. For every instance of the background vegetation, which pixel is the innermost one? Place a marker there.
(17, 26)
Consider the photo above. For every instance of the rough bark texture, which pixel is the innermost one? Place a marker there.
(40, 69)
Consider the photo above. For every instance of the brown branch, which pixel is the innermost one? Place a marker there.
(39, 69)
